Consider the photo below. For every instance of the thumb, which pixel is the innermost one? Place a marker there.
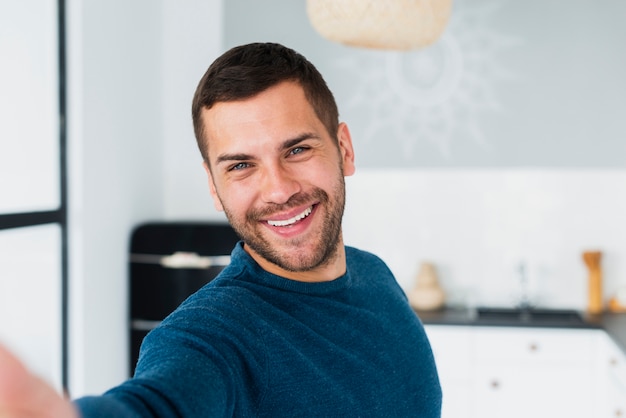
(13, 374)
(24, 394)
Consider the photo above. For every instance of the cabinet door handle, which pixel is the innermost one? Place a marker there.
(533, 347)
(494, 384)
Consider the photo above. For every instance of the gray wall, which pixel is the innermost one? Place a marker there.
(511, 84)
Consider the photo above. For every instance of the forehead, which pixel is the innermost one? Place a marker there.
(270, 102)
(279, 111)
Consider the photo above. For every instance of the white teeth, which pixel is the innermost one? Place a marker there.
(293, 220)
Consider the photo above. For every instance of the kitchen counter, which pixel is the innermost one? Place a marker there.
(613, 324)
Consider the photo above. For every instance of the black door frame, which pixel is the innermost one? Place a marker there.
(59, 215)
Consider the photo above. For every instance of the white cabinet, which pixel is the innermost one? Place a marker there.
(523, 372)
(452, 347)
(612, 374)
(496, 372)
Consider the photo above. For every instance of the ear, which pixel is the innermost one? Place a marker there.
(216, 199)
(345, 148)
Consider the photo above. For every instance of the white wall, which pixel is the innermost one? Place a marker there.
(477, 226)
(126, 83)
(192, 33)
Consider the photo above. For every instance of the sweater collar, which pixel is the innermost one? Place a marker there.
(240, 258)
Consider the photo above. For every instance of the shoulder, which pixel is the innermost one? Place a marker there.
(369, 271)
(364, 259)
(213, 322)
(222, 299)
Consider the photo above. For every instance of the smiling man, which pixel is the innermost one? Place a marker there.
(298, 324)
(278, 174)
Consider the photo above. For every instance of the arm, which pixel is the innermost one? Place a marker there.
(24, 394)
(165, 387)
(174, 378)
(182, 371)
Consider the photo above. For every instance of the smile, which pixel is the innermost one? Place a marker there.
(293, 220)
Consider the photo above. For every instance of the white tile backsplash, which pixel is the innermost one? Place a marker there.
(478, 225)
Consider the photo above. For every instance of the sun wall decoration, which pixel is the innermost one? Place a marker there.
(432, 90)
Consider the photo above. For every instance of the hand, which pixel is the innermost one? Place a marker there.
(24, 395)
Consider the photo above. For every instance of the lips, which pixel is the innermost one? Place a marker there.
(292, 220)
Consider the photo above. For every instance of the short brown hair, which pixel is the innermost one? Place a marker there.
(247, 70)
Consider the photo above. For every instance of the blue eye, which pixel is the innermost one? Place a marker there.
(298, 150)
(239, 166)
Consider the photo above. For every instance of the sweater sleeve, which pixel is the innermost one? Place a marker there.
(169, 382)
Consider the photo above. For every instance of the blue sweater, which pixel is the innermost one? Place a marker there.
(253, 344)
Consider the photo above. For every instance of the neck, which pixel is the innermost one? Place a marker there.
(330, 270)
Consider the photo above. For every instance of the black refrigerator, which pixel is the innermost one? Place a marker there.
(168, 262)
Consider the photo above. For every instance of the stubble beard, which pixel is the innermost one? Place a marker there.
(291, 256)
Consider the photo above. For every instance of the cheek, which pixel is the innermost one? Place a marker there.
(325, 175)
(238, 199)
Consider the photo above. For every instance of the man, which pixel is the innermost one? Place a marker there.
(297, 324)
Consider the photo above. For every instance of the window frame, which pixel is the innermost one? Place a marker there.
(57, 216)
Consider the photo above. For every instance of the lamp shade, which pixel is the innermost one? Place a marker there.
(381, 24)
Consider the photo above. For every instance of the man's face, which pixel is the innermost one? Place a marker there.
(279, 177)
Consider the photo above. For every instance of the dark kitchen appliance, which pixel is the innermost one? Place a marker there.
(168, 262)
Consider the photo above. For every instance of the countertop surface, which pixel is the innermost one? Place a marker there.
(613, 323)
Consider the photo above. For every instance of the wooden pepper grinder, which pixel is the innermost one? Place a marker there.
(592, 260)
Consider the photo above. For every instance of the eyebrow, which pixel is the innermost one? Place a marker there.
(295, 141)
(283, 146)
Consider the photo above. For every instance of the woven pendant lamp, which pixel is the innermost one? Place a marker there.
(381, 24)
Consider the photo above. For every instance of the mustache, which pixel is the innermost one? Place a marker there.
(298, 199)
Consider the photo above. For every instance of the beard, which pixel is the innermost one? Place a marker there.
(297, 254)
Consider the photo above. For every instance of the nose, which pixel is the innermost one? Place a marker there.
(278, 184)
